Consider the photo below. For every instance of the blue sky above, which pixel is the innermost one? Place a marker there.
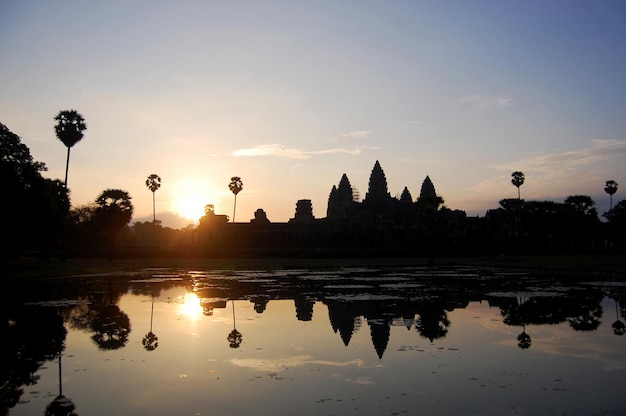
(291, 95)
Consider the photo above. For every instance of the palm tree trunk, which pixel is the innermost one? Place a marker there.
(67, 165)
(235, 208)
(153, 220)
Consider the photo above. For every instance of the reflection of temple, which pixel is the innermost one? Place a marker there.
(379, 223)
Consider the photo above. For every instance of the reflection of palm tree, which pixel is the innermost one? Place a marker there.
(523, 339)
(618, 326)
(61, 405)
(69, 129)
(235, 337)
(150, 340)
(235, 186)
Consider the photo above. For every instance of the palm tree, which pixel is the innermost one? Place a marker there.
(235, 186)
(610, 188)
(69, 129)
(153, 183)
(518, 180)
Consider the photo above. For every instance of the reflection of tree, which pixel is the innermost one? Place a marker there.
(150, 340)
(618, 326)
(433, 322)
(234, 338)
(30, 336)
(111, 327)
(587, 317)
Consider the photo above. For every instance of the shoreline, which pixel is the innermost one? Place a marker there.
(602, 264)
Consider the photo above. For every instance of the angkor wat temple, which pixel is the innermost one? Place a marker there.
(379, 224)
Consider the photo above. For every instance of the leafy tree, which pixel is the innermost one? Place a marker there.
(69, 129)
(235, 186)
(616, 219)
(34, 207)
(518, 180)
(610, 188)
(113, 211)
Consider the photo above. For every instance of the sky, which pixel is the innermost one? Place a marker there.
(290, 95)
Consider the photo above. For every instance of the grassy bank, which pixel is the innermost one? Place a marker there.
(34, 268)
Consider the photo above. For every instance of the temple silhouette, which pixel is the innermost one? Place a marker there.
(378, 224)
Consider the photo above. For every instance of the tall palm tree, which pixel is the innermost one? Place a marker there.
(153, 183)
(610, 188)
(518, 180)
(69, 129)
(235, 186)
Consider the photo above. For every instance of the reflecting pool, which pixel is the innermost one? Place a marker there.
(352, 341)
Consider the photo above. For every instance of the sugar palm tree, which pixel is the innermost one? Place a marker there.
(153, 183)
(69, 129)
(235, 186)
(610, 188)
(518, 180)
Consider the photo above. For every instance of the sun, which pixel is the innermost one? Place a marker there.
(191, 207)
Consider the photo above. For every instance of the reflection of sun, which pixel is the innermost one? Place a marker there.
(191, 306)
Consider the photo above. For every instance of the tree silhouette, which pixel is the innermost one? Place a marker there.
(69, 129)
(518, 180)
(235, 186)
(113, 211)
(153, 183)
(610, 188)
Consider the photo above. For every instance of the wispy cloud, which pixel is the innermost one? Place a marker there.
(356, 134)
(563, 161)
(278, 150)
(487, 102)
(560, 173)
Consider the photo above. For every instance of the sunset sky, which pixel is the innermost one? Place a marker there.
(289, 95)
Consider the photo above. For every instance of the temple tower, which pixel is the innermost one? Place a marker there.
(428, 189)
(340, 201)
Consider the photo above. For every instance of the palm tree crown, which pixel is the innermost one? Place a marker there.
(69, 129)
(518, 180)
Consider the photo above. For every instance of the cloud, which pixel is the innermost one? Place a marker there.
(356, 134)
(561, 173)
(563, 161)
(484, 102)
(278, 150)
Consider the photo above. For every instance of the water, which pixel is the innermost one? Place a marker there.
(316, 342)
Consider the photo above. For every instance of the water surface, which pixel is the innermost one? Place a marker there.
(316, 342)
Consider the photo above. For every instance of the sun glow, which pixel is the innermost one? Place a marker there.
(191, 195)
(191, 207)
